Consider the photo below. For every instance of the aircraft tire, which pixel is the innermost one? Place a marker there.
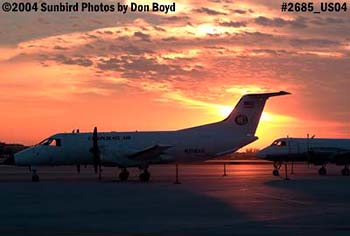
(275, 173)
(322, 171)
(123, 176)
(145, 176)
(345, 172)
(35, 178)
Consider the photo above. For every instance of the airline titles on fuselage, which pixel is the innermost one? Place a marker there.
(114, 137)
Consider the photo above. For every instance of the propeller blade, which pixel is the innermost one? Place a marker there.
(96, 153)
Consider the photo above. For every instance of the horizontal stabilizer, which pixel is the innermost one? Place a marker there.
(267, 95)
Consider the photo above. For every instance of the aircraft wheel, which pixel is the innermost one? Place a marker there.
(275, 173)
(322, 171)
(35, 178)
(145, 176)
(345, 172)
(124, 175)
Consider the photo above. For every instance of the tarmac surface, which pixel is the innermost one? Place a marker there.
(248, 201)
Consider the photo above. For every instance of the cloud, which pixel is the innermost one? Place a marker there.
(142, 36)
(60, 48)
(238, 11)
(140, 67)
(172, 39)
(209, 11)
(324, 43)
(181, 19)
(280, 22)
(80, 61)
(235, 24)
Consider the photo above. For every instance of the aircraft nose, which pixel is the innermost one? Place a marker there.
(261, 154)
(17, 158)
(21, 158)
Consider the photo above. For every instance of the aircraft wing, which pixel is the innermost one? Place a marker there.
(149, 153)
(329, 154)
(329, 150)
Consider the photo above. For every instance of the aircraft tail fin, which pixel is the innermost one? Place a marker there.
(246, 115)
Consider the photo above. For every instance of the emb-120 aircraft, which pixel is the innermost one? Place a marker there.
(141, 149)
(317, 151)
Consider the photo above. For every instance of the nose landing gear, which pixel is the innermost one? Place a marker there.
(124, 175)
(322, 170)
(346, 170)
(35, 176)
(276, 165)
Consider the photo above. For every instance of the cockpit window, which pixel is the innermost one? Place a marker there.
(58, 142)
(279, 143)
(55, 142)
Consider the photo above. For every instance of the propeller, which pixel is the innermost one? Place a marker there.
(310, 151)
(95, 150)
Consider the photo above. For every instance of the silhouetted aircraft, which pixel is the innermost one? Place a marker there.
(318, 151)
(141, 149)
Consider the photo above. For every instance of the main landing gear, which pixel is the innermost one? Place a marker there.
(346, 170)
(145, 176)
(124, 174)
(322, 170)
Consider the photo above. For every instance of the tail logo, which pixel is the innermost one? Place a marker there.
(241, 120)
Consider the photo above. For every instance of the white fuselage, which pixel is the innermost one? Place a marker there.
(188, 145)
(305, 148)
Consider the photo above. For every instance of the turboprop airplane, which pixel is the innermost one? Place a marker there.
(141, 149)
(317, 151)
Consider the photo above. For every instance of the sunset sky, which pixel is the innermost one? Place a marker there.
(154, 71)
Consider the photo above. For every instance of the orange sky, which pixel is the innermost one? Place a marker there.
(164, 72)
